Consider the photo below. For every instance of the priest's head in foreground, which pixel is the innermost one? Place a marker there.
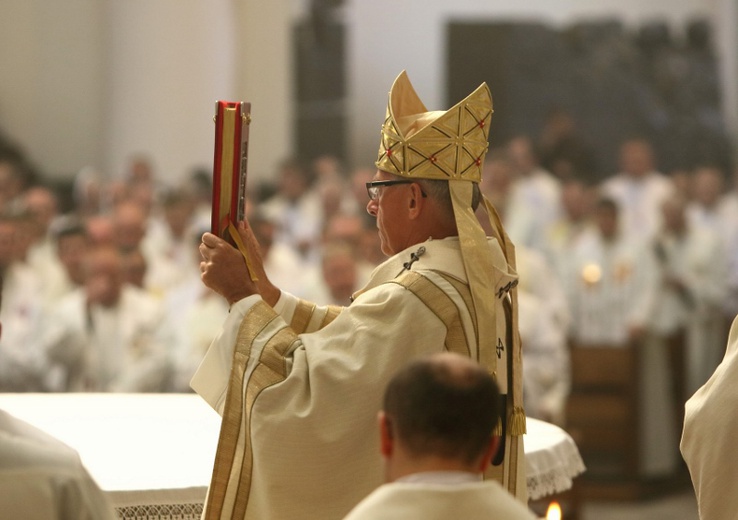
(437, 439)
(439, 414)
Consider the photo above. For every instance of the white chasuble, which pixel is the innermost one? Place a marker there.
(300, 394)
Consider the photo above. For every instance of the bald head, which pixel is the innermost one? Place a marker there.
(129, 225)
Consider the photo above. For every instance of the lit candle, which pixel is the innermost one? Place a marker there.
(554, 511)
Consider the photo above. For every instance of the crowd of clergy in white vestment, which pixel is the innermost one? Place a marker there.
(103, 292)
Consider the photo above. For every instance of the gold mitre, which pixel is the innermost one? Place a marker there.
(434, 145)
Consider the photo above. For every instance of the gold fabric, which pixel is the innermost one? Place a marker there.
(442, 145)
(442, 306)
(301, 319)
(230, 431)
(244, 251)
(332, 311)
(230, 486)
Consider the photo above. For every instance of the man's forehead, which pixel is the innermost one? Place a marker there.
(382, 175)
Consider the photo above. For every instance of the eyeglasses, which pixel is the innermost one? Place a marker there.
(372, 188)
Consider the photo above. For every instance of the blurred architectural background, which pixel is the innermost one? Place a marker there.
(91, 83)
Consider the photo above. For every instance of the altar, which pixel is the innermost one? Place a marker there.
(153, 453)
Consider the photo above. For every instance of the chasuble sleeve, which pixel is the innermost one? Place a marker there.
(211, 378)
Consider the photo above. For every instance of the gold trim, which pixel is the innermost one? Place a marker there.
(273, 356)
(261, 378)
(244, 251)
(256, 319)
(441, 305)
(301, 317)
(331, 314)
(462, 288)
(517, 422)
(271, 369)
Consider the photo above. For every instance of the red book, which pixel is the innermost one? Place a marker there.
(232, 121)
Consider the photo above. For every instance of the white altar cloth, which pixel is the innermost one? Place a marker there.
(154, 452)
(552, 459)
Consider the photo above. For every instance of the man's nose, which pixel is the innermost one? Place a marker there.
(371, 208)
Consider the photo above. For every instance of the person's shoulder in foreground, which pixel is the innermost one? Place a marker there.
(436, 431)
(707, 445)
(42, 478)
(470, 501)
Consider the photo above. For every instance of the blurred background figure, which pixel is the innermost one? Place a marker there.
(130, 227)
(534, 197)
(691, 293)
(610, 279)
(15, 176)
(133, 264)
(356, 201)
(100, 230)
(361, 235)
(563, 151)
(639, 190)
(24, 366)
(338, 277)
(711, 206)
(282, 263)
(295, 209)
(70, 247)
(42, 206)
(170, 233)
(109, 336)
(544, 321)
(577, 201)
(496, 185)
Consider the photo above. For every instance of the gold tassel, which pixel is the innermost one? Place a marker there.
(497, 431)
(517, 422)
(244, 251)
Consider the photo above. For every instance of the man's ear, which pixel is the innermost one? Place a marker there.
(489, 453)
(386, 439)
(415, 201)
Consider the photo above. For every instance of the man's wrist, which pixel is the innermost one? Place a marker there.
(271, 295)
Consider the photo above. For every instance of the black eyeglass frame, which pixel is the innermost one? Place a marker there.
(372, 187)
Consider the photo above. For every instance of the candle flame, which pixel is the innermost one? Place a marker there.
(554, 511)
(591, 273)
